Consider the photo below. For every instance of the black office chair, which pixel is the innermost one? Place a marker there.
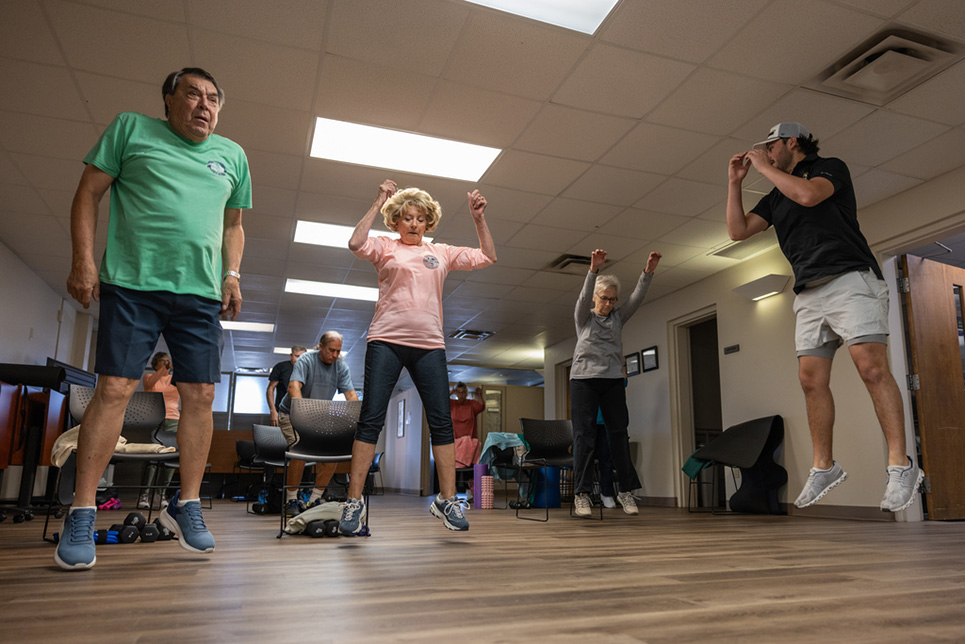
(244, 465)
(550, 445)
(376, 470)
(170, 439)
(145, 411)
(270, 446)
(324, 433)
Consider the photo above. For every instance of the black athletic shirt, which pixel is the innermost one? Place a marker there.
(281, 373)
(825, 239)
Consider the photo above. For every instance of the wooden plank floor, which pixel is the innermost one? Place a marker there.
(664, 576)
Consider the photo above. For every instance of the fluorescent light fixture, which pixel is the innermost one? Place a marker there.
(328, 289)
(764, 287)
(260, 327)
(313, 232)
(584, 16)
(282, 350)
(383, 148)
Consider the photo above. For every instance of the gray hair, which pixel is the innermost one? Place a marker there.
(298, 349)
(329, 336)
(604, 282)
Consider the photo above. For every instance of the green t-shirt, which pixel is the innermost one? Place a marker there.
(167, 205)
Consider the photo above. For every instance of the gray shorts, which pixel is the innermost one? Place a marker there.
(851, 308)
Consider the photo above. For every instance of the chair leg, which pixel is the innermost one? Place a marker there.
(284, 490)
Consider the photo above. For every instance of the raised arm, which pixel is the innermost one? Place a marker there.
(361, 232)
(232, 247)
(477, 208)
(584, 303)
(640, 290)
(740, 225)
(806, 192)
(83, 282)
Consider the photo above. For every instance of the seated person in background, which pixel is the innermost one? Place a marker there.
(464, 411)
(317, 374)
(278, 380)
(160, 381)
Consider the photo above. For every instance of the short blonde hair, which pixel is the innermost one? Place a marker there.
(604, 282)
(400, 202)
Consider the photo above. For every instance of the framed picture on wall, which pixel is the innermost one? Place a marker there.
(633, 363)
(401, 431)
(649, 357)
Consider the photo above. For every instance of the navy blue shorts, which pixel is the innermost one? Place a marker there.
(132, 321)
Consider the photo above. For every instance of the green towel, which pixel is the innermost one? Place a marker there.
(693, 466)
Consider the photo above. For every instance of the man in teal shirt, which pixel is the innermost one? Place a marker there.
(171, 268)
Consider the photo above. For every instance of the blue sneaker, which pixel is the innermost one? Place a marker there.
(450, 511)
(75, 550)
(187, 523)
(354, 514)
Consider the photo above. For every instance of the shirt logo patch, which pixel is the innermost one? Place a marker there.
(217, 168)
(430, 261)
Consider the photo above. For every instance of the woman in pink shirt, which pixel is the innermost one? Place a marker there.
(160, 381)
(406, 331)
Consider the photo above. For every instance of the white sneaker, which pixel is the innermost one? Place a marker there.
(164, 502)
(143, 503)
(608, 501)
(582, 503)
(628, 502)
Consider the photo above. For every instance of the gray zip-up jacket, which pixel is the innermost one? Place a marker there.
(599, 340)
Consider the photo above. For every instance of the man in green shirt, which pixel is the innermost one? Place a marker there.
(171, 268)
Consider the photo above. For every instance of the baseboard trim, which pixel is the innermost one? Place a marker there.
(852, 512)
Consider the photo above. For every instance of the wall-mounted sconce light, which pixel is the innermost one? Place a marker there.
(764, 287)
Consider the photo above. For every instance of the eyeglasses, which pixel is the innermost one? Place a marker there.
(608, 300)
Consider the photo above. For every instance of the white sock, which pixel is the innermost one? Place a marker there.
(84, 507)
(316, 495)
(183, 502)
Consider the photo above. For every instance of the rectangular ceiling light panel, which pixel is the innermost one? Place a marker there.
(319, 234)
(584, 16)
(329, 289)
(395, 150)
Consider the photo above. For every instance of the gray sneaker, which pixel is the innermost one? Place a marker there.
(450, 511)
(582, 505)
(354, 514)
(819, 483)
(903, 482)
(628, 502)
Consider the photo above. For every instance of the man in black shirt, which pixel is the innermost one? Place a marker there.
(278, 379)
(841, 295)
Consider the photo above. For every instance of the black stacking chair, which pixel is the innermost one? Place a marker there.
(244, 464)
(550, 445)
(270, 446)
(170, 439)
(324, 433)
(145, 411)
(376, 470)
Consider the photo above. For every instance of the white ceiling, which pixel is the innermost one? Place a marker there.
(618, 141)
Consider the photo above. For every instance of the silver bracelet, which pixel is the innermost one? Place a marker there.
(234, 274)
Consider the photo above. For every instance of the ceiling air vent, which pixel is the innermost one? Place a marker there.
(886, 66)
(755, 245)
(569, 264)
(470, 334)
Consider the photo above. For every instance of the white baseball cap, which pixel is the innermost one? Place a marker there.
(784, 131)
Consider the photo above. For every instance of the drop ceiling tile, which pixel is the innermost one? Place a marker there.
(656, 26)
(711, 167)
(22, 200)
(417, 35)
(880, 137)
(616, 186)
(937, 99)
(656, 148)
(883, 8)
(876, 185)
(355, 91)
(944, 16)
(576, 215)
(106, 97)
(259, 72)
(41, 90)
(300, 23)
(698, 232)
(320, 255)
(556, 282)
(735, 98)
(642, 225)
(822, 114)
(574, 134)
(533, 172)
(25, 34)
(672, 254)
(771, 47)
(621, 82)
(616, 247)
(475, 115)
(513, 205)
(266, 226)
(497, 274)
(680, 197)
(273, 170)
(492, 46)
(708, 264)
(170, 10)
(138, 48)
(46, 136)
(45, 172)
(483, 291)
(515, 257)
(936, 157)
(59, 201)
(531, 295)
(247, 125)
(545, 238)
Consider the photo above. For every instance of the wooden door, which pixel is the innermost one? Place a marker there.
(934, 299)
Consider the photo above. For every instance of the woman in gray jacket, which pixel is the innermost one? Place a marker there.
(596, 379)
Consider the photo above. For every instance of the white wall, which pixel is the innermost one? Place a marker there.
(402, 471)
(761, 379)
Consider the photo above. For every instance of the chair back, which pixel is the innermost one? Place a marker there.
(145, 409)
(324, 427)
(168, 439)
(246, 453)
(270, 445)
(547, 439)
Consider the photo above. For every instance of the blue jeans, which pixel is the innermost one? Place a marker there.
(427, 367)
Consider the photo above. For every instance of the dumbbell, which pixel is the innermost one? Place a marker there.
(163, 533)
(322, 528)
(135, 519)
(150, 533)
(125, 533)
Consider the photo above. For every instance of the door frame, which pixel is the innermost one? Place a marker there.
(681, 394)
